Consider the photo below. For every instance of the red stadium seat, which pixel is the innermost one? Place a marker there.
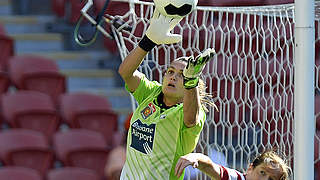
(231, 85)
(114, 8)
(242, 2)
(277, 2)
(81, 148)
(76, 7)
(30, 110)
(29, 72)
(317, 155)
(274, 74)
(317, 111)
(18, 173)
(72, 173)
(275, 112)
(317, 74)
(317, 40)
(26, 148)
(4, 82)
(89, 111)
(7, 50)
(58, 7)
(317, 55)
(2, 29)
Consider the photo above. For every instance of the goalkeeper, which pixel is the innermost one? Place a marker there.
(171, 115)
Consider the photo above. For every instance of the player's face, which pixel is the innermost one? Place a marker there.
(173, 80)
(264, 172)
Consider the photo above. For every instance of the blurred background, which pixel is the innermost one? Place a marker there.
(63, 106)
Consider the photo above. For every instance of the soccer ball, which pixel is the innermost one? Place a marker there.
(175, 8)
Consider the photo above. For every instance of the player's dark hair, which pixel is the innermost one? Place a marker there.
(271, 157)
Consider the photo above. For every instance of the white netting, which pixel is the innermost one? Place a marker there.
(251, 77)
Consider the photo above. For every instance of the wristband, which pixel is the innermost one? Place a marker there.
(146, 44)
(190, 83)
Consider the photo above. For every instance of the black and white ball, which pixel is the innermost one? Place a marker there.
(175, 8)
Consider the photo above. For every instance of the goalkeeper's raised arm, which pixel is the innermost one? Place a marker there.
(157, 33)
(170, 116)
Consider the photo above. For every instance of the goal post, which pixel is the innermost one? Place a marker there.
(304, 131)
(254, 78)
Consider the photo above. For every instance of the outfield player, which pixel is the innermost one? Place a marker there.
(267, 166)
(170, 116)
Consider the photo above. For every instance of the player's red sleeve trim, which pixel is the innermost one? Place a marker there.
(224, 173)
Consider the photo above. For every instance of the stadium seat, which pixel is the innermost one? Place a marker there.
(58, 7)
(274, 74)
(26, 148)
(317, 40)
(19, 173)
(4, 82)
(276, 113)
(2, 29)
(317, 74)
(7, 50)
(317, 155)
(230, 117)
(114, 8)
(81, 148)
(277, 2)
(228, 74)
(223, 3)
(29, 72)
(89, 111)
(30, 110)
(317, 111)
(317, 55)
(242, 2)
(72, 173)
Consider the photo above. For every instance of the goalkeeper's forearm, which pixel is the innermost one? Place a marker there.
(191, 106)
(128, 68)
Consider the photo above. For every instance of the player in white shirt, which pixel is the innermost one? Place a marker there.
(267, 166)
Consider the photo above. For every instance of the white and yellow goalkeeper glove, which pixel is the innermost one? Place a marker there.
(158, 32)
(192, 71)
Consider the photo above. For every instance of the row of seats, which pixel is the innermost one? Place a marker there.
(41, 101)
(60, 7)
(74, 147)
(35, 110)
(28, 72)
(65, 173)
(7, 51)
(277, 111)
(70, 11)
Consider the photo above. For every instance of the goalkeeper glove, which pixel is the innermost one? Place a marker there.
(158, 32)
(192, 71)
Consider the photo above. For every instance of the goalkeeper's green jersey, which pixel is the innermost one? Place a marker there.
(157, 137)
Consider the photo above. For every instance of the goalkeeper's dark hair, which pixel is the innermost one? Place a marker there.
(206, 98)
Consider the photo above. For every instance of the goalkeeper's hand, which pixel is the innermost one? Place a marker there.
(192, 71)
(158, 31)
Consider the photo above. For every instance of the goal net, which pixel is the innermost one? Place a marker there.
(251, 77)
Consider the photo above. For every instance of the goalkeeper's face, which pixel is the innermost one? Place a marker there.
(173, 81)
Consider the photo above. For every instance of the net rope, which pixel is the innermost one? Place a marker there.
(251, 78)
